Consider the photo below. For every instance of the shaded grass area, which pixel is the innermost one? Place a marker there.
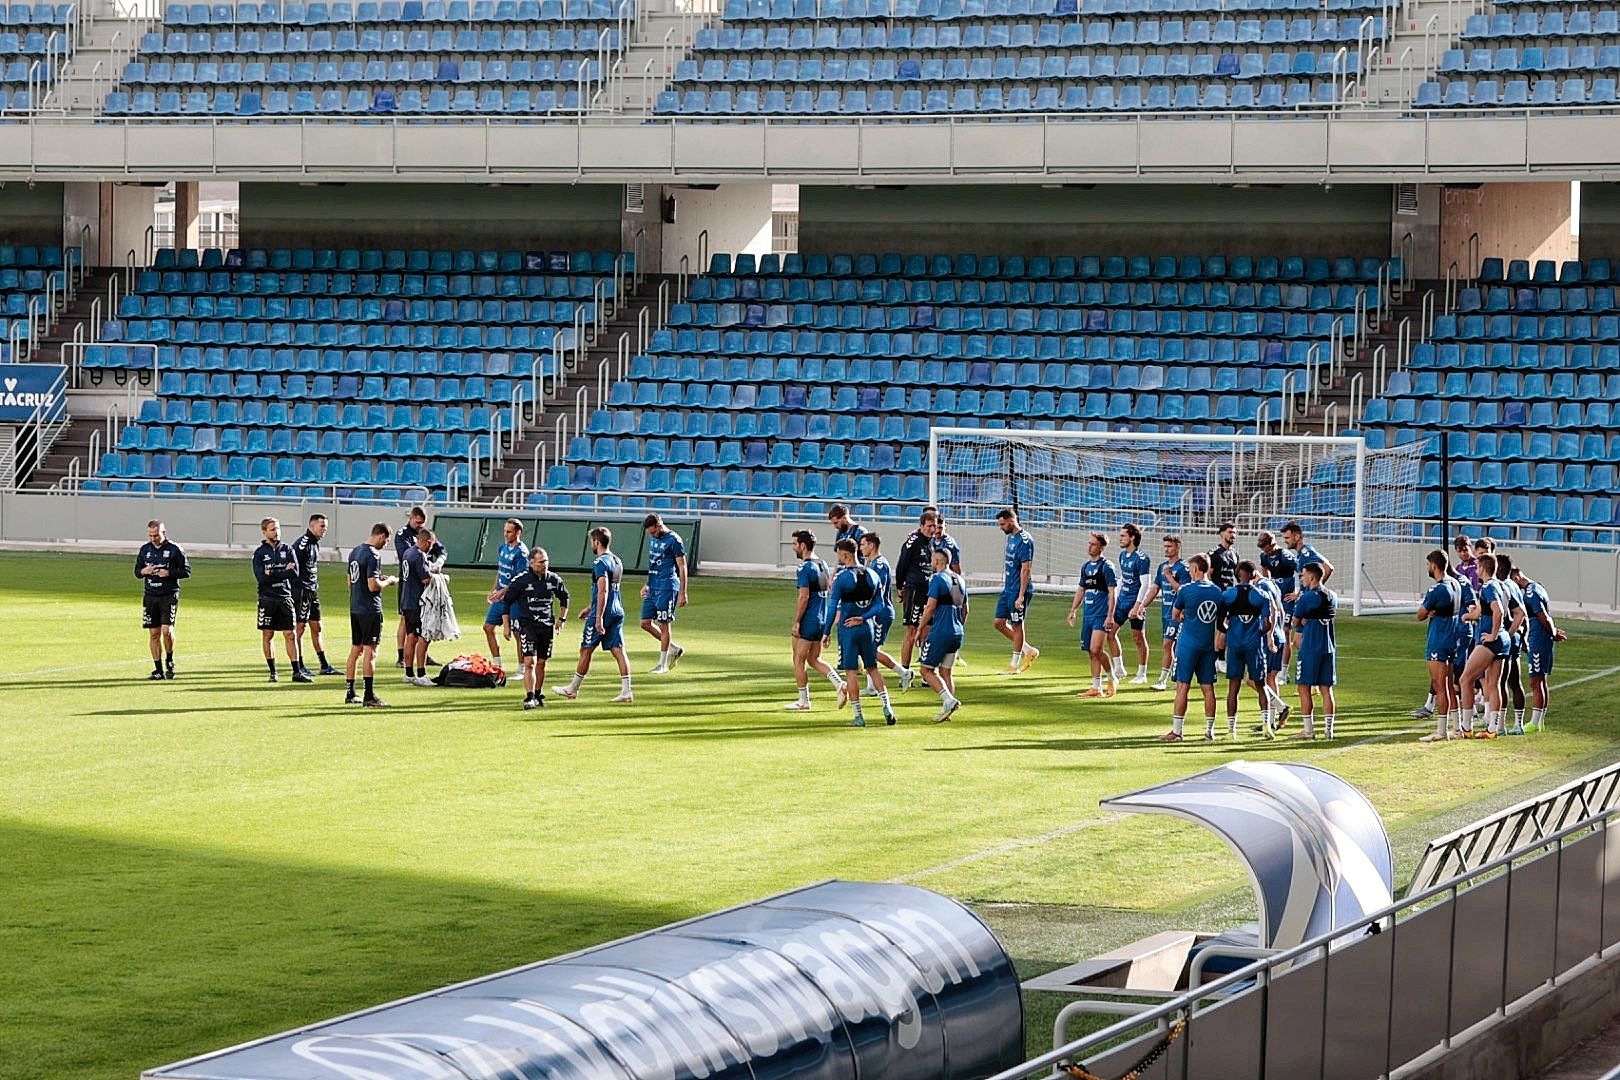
(199, 862)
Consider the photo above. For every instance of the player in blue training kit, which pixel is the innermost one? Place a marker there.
(944, 618)
(1274, 646)
(161, 566)
(871, 549)
(1248, 617)
(810, 616)
(1304, 554)
(366, 583)
(1197, 609)
(665, 589)
(1283, 566)
(1540, 638)
(1170, 576)
(1017, 590)
(1098, 593)
(854, 601)
(1314, 610)
(603, 619)
(275, 566)
(1441, 608)
(1512, 678)
(1490, 649)
(511, 560)
(1134, 567)
(845, 528)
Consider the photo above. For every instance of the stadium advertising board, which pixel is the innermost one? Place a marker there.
(30, 390)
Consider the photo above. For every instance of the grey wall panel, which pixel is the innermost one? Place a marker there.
(701, 146)
(247, 146)
(1294, 1022)
(1378, 143)
(1476, 970)
(1475, 141)
(902, 147)
(1532, 925)
(434, 147)
(347, 147)
(1228, 1040)
(1357, 1038)
(1298, 145)
(624, 148)
(1611, 893)
(1098, 146)
(1422, 946)
(1580, 901)
(1186, 144)
(813, 148)
(535, 146)
(62, 145)
(995, 146)
(169, 146)
(1575, 140)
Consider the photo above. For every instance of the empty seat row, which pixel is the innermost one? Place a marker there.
(1546, 272)
(42, 15)
(1043, 293)
(29, 280)
(297, 387)
(880, 457)
(343, 440)
(1533, 446)
(367, 335)
(408, 102)
(370, 260)
(16, 71)
(1101, 97)
(232, 73)
(949, 10)
(250, 43)
(1430, 412)
(261, 469)
(1097, 33)
(271, 13)
(346, 310)
(30, 44)
(1528, 22)
(1027, 67)
(1523, 476)
(1483, 61)
(172, 360)
(1486, 93)
(1501, 355)
(922, 377)
(1527, 328)
(1009, 269)
(1557, 385)
(302, 287)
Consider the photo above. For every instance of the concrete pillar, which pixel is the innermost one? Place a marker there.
(732, 218)
(1512, 221)
(108, 220)
(131, 210)
(1416, 236)
(642, 232)
(187, 220)
(81, 222)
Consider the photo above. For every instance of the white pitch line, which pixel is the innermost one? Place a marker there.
(185, 658)
(1106, 819)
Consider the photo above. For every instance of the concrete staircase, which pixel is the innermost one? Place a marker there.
(649, 62)
(97, 64)
(1341, 399)
(1422, 30)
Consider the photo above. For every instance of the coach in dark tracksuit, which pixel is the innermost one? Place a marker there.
(913, 567)
(276, 568)
(161, 565)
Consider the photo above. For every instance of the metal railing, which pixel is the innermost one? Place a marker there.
(36, 435)
(1469, 926)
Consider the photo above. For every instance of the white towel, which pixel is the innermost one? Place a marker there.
(439, 611)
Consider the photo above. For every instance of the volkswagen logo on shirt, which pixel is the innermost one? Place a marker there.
(1207, 611)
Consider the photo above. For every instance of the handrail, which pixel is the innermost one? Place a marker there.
(1473, 258)
(1408, 252)
(1403, 344)
(1357, 388)
(1260, 972)
(1330, 417)
(703, 251)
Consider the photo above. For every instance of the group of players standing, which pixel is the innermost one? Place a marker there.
(1483, 615)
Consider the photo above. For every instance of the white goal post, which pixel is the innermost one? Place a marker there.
(1356, 505)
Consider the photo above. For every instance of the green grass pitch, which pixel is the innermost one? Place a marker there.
(191, 864)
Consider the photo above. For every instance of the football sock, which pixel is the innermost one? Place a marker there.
(169, 657)
(1274, 699)
(1456, 717)
(1465, 720)
(1164, 675)
(624, 683)
(1440, 724)
(1490, 721)
(1428, 703)
(369, 692)
(1141, 671)
(1231, 723)
(1307, 724)
(270, 662)
(1096, 682)
(349, 692)
(1327, 725)
(1538, 717)
(158, 666)
(832, 677)
(321, 656)
(402, 656)
(663, 657)
(856, 705)
(1518, 718)
(1017, 658)
(1209, 727)
(1177, 723)
(574, 683)
(883, 696)
(804, 695)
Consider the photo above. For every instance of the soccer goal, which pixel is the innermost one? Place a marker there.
(1357, 505)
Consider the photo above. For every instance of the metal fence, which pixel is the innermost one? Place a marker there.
(1367, 1000)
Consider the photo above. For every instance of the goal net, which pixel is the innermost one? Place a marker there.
(1357, 506)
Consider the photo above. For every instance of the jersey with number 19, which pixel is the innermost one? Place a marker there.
(1443, 602)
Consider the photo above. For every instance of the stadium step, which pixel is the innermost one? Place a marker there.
(516, 476)
(78, 312)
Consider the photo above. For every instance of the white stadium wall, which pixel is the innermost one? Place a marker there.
(736, 217)
(454, 216)
(1110, 219)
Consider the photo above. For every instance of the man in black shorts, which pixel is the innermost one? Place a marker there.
(161, 566)
(275, 567)
(414, 577)
(530, 599)
(366, 584)
(913, 568)
(306, 592)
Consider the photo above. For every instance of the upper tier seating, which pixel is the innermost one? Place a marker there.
(862, 57)
(30, 34)
(1522, 385)
(26, 271)
(522, 57)
(807, 378)
(293, 382)
(1532, 55)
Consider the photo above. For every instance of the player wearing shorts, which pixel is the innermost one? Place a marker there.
(665, 589)
(1197, 611)
(1012, 606)
(1283, 566)
(871, 549)
(1098, 593)
(161, 566)
(404, 540)
(1440, 608)
(944, 618)
(275, 567)
(1512, 679)
(604, 620)
(913, 569)
(1134, 567)
(854, 601)
(1248, 617)
(415, 575)
(307, 594)
(1170, 576)
(1274, 643)
(511, 560)
(366, 583)
(1314, 645)
(533, 604)
(1541, 636)
(1491, 647)
(812, 582)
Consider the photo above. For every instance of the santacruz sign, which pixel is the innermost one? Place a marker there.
(29, 390)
